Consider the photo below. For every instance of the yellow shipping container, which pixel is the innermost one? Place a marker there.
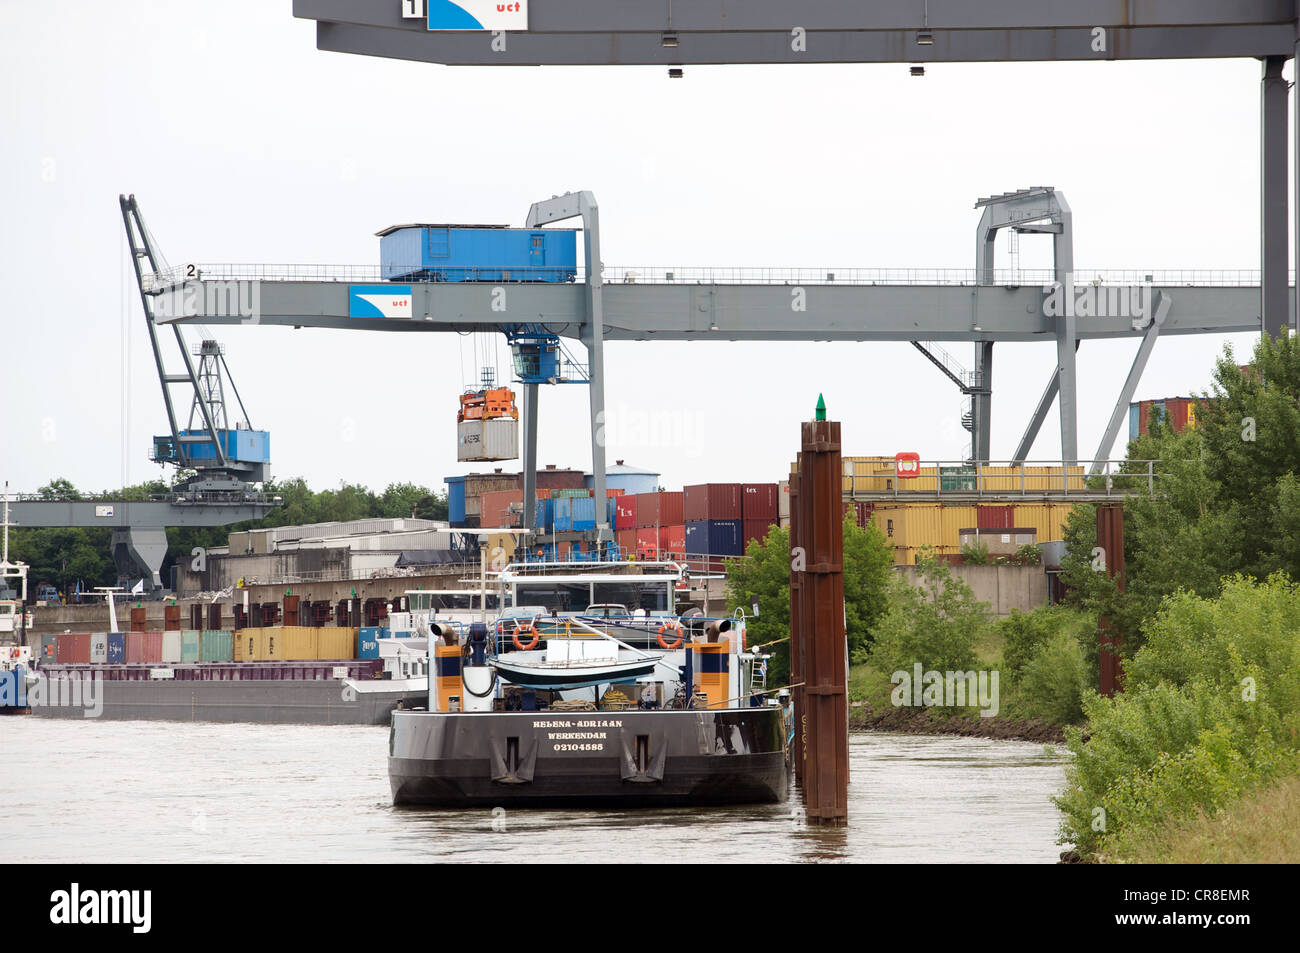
(245, 645)
(337, 642)
(270, 645)
(297, 642)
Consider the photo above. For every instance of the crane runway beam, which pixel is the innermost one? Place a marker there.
(666, 311)
(594, 32)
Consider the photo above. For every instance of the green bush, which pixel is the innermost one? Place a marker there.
(1211, 709)
(936, 623)
(1052, 684)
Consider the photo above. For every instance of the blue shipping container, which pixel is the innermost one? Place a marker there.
(455, 499)
(116, 648)
(368, 642)
(714, 538)
(477, 253)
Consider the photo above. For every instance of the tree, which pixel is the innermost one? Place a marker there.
(765, 577)
(935, 622)
(1227, 496)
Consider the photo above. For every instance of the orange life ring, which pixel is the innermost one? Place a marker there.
(670, 627)
(524, 647)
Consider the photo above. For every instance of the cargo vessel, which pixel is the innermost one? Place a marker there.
(230, 676)
(550, 710)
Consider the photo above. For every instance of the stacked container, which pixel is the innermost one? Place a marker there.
(171, 646)
(116, 642)
(711, 501)
(72, 648)
(191, 645)
(625, 508)
(98, 647)
(217, 645)
(144, 648)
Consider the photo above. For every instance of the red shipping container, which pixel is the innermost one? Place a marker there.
(711, 501)
(494, 507)
(758, 501)
(625, 512)
(648, 506)
(672, 541)
(862, 512)
(658, 509)
(754, 529)
(143, 647)
(73, 648)
(994, 517)
(647, 543)
(626, 539)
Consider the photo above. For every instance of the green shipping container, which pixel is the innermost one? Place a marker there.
(190, 642)
(957, 480)
(218, 646)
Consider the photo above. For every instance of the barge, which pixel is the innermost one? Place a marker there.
(583, 712)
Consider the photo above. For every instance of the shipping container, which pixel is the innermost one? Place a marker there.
(994, 517)
(712, 502)
(73, 648)
(659, 509)
(297, 643)
(367, 642)
(496, 438)
(758, 502)
(98, 648)
(171, 646)
(49, 648)
(245, 645)
(861, 512)
(218, 645)
(754, 529)
(714, 538)
(455, 501)
(501, 508)
(647, 543)
(191, 645)
(116, 648)
(626, 539)
(271, 645)
(337, 643)
(144, 648)
(1177, 413)
(783, 501)
(672, 541)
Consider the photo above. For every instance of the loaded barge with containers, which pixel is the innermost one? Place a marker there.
(605, 708)
(273, 675)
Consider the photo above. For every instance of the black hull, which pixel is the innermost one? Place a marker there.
(626, 759)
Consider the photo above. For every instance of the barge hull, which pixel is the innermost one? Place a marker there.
(272, 702)
(625, 759)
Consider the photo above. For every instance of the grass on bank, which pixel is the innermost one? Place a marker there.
(1261, 828)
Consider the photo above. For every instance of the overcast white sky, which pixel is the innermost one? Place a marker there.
(244, 143)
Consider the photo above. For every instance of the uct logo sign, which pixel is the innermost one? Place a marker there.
(478, 15)
(379, 301)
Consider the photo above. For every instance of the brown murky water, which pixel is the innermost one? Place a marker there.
(161, 792)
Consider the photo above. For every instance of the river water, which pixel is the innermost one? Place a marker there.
(115, 791)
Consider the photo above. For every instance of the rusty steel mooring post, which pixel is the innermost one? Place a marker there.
(797, 522)
(1110, 539)
(817, 636)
